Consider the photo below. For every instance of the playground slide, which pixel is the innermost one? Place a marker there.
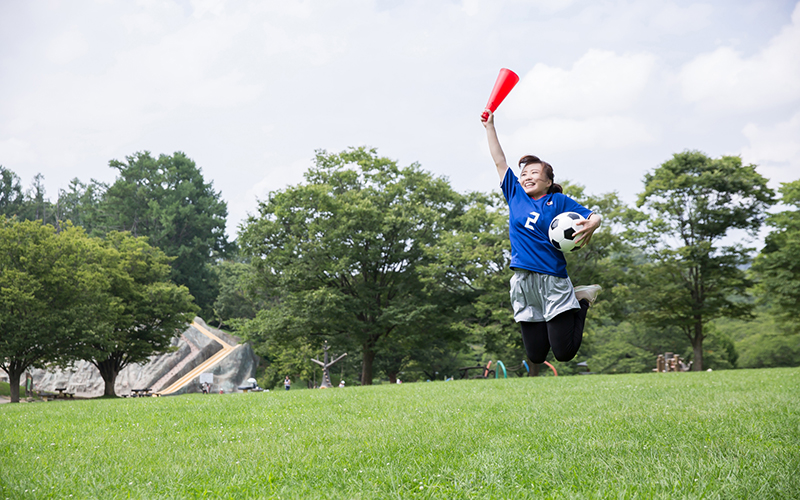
(208, 364)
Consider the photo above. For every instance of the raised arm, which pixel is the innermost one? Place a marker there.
(494, 145)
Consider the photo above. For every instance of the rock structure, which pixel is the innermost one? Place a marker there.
(192, 349)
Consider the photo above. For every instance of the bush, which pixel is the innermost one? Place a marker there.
(5, 389)
(768, 350)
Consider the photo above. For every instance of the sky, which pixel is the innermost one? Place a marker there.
(250, 90)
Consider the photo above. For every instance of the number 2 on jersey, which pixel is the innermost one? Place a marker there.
(529, 224)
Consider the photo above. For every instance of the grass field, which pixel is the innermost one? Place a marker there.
(725, 434)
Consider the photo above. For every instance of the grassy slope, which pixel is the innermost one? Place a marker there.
(733, 434)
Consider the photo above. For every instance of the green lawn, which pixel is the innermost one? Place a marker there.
(724, 434)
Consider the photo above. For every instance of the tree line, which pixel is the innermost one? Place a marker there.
(410, 277)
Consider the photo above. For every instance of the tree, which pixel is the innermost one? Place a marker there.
(342, 252)
(472, 260)
(238, 298)
(167, 200)
(777, 267)
(761, 342)
(80, 204)
(280, 336)
(693, 202)
(150, 310)
(35, 206)
(50, 286)
(11, 197)
(765, 350)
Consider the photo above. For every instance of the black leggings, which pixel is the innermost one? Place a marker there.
(563, 333)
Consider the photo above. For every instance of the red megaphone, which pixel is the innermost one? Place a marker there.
(505, 82)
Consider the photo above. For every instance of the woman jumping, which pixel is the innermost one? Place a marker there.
(550, 312)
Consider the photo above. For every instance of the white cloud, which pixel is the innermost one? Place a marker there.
(677, 20)
(599, 83)
(202, 7)
(491, 8)
(151, 18)
(556, 135)
(277, 178)
(591, 105)
(726, 80)
(227, 81)
(13, 151)
(775, 148)
(315, 48)
(149, 81)
(67, 47)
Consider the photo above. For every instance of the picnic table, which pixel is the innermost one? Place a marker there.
(141, 393)
(62, 393)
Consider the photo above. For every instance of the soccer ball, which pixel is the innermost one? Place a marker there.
(563, 229)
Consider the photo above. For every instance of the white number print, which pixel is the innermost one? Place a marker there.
(529, 224)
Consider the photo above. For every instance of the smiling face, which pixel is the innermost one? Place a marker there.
(534, 180)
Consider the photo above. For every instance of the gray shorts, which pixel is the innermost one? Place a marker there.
(540, 297)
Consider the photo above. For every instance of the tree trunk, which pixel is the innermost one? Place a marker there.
(366, 370)
(109, 371)
(392, 378)
(697, 345)
(534, 370)
(13, 379)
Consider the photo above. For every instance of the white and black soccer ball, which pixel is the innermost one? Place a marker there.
(562, 231)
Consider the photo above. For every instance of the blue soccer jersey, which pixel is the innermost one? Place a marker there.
(528, 225)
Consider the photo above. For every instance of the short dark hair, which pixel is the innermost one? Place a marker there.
(546, 167)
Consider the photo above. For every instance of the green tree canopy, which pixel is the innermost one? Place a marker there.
(11, 197)
(472, 260)
(51, 286)
(342, 254)
(34, 204)
(150, 310)
(80, 204)
(691, 202)
(777, 267)
(238, 297)
(168, 200)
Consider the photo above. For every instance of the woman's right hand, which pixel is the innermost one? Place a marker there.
(487, 118)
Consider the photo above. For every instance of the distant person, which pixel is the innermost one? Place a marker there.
(287, 383)
(341, 384)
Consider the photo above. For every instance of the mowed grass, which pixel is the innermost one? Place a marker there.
(726, 434)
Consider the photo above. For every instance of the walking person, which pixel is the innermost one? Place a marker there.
(287, 383)
(28, 384)
(551, 313)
